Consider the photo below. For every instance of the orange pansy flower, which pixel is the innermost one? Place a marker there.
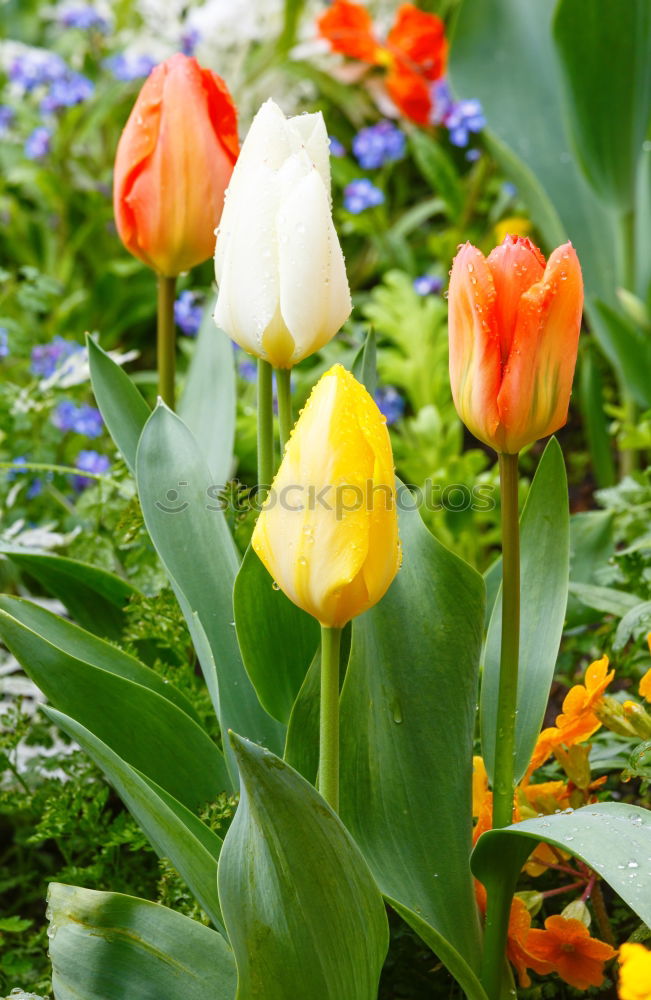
(415, 51)
(569, 950)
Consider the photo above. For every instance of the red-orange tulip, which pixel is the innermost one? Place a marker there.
(173, 164)
(514, 330)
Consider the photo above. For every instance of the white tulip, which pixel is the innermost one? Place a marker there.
(283, 290)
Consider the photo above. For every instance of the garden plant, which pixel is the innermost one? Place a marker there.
(325, 420)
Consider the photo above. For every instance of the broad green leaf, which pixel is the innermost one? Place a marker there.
(173, 831)
(544, 568)
(208, 402)
(191, 535)
(106, 946)
(302, 743)
(277, 640)
(124, 410)
(407, 723)
(438, 170)
(83, 646)
(302, 911)
(443, 950)
(592, 543)
(626, 346)
(607, 600)
(365, 363)
(642, 235)
(147, 730)
(638, 619)
(604, 50)
(94, 597)
(596, 421)
(503, 53)
(612, 838)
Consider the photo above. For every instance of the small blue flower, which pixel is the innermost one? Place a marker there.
(248, 370)
(127, 66)
(35, 488)
(46, 358)
(188, 312)
(466, 117)
(85, 18)
(83, 419)
(509, 189)
(36, 67)
(190, 38)
(390, 403)
(428, 284)
(4, 342)
(337, 148)
(37, 144)
(7, 116)
(89, 461)
(378, 144)
(14, 473)
(472, 155)
(442, 102)
(67, 92)
(361, 194)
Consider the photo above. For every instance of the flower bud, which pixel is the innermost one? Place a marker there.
(514, 327)
(283, 290)
(173, 164)
(328, 533)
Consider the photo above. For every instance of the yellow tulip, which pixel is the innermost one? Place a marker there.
(328, 532)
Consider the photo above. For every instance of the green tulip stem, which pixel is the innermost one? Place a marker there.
(265, 424)
(166, 339)
(499, 898)
(285, 419)
(329, 719)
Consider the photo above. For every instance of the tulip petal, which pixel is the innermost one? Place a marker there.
(248, 290)
(309, 132)
(535, 394)
(475, 368)
(315, 533)
(516, 265)
(314, 296)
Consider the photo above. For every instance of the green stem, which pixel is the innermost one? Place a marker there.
(166, 339)
(627, 456)
(329, 721)
(265, 424)
(285, 419)
(503, 783)
(499, 899)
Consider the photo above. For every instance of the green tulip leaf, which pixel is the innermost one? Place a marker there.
(302, 911)
(442, 948)
(544, 569)
(146, 729)
(407, 723)
(604, 50)
(612, 838)
(190, 533)
(124, 410)
(365, 363)
(207, 405)
(94, 597)
(106, 946)
(265, 619)
(173, 831)
(503, 53)
(302, 743)
(84, 646)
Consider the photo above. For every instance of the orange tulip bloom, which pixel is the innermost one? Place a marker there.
(415, 51)
(514, 328)
(566, 946)
(173, 164)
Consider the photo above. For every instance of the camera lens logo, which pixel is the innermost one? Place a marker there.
(175, 504)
